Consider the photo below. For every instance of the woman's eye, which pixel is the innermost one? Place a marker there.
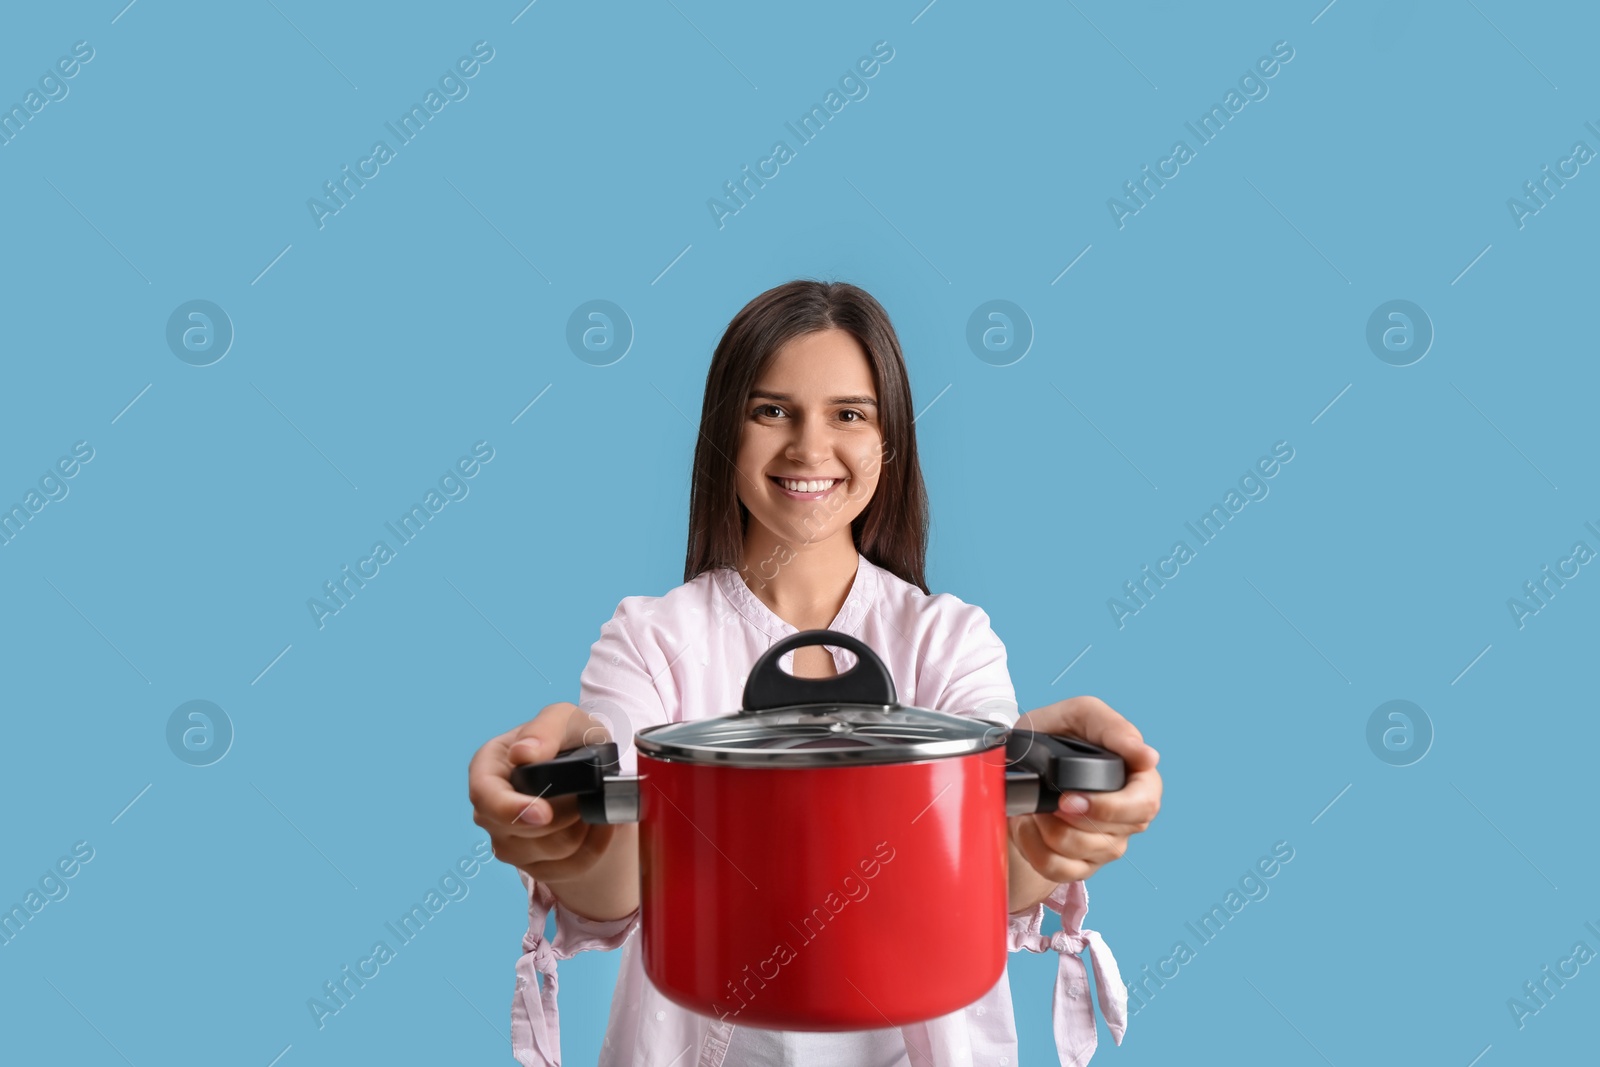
(852, 411)
(770, 410)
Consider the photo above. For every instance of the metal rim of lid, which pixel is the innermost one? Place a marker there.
(980, 735)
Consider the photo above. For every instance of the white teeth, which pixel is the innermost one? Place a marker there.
(807, 487)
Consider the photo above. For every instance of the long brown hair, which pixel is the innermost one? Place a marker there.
(892, 531)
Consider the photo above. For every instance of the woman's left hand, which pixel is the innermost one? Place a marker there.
(1087, 830)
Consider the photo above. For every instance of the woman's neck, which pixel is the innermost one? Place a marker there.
(805, 585)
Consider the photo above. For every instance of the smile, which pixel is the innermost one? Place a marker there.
(814, 489)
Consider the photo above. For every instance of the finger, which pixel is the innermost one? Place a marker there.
(1079, 843)
(566, 853)
(530, 840)
(1135, 805)
(554, 845)
(1039, 856)
(540, 816)
(1097, 723)
(591, 843)
(543, 736)
(489, 784)
(1085, 822)
(539, 739)
(496, 803)
(581, 729)
(1064, 853)
(501, 810)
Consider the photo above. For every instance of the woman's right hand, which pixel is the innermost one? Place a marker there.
(544, 837)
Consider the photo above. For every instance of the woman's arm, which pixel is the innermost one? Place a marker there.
(1088, 830)
(1026, 887)
(591, 869)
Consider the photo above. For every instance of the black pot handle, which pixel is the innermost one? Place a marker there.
(1062, 764)
(591, 772)
(769, 686)
(574, 770)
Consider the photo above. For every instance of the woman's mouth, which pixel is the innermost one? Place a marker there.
(806, 489)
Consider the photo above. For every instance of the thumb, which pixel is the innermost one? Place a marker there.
(543, 736)
(1142, 758)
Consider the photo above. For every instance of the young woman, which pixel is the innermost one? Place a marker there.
(807, 511)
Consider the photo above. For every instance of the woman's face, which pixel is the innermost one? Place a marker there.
(812, 446)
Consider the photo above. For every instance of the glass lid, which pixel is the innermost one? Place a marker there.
(849, 718)
(816, 735)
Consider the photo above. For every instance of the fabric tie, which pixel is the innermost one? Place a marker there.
(546, 1028)
(1072, 1016)
(1072, 1013)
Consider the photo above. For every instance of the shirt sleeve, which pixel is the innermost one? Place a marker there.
(967, 663)
(617, 687)
(619, 683)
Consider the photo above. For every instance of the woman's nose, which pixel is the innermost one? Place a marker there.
(809, 445)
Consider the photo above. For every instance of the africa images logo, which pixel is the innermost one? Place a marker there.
(1252, 487)
(452, 487)
(852, 87)
(1207, 128)
(452, 84)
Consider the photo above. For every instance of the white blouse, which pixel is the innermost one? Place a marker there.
(686, 655)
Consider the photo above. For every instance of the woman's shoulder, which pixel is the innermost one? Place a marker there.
(674, 608)
(959, 662)
(941, 613)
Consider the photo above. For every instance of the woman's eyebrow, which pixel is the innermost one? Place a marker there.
(785, 397)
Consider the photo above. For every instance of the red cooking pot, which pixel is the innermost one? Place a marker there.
(825, 858)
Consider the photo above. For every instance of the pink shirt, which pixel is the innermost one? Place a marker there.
(686, 655)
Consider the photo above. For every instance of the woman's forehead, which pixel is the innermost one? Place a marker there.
(827, 362)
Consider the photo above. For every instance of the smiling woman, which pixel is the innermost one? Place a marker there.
(808, 387)
(801, 445)
(799, 521)
(808, 393)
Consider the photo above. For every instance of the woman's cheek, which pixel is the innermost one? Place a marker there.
(865, 480)
(870, 462)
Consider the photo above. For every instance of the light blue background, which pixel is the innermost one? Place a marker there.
(1224, 317)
